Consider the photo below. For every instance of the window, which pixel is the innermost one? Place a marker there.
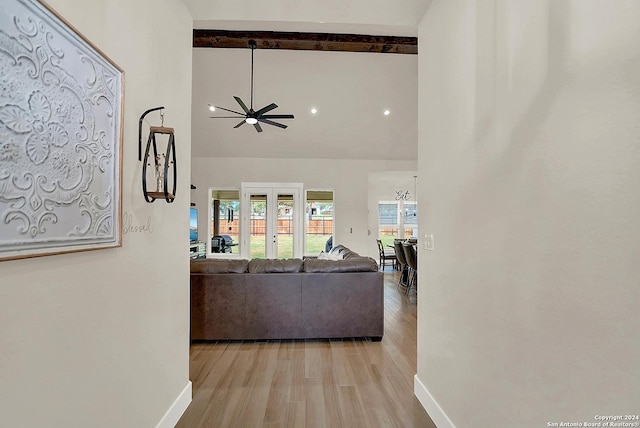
(410, 218)
(397, 220)
(388, 222)
(318, 221)
(225, 222)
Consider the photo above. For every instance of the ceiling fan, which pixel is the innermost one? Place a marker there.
(251, 116)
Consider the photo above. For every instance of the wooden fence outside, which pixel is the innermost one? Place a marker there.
(320, 226)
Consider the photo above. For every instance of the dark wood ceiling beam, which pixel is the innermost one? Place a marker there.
(305, 41)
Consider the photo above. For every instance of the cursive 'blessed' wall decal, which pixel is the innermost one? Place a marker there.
(129, 227)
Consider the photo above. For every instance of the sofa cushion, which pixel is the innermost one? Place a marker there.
(348, 254)
(342, 252)
(329, 256)
(219, 266)
(355, 264)
(337, 249)
(275, 265)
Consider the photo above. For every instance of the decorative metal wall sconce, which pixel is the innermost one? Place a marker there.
(164, 163)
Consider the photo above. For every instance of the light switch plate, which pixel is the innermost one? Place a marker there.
(429, 242)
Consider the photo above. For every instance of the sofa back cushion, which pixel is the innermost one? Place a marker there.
(275, 265)
(219, 266)
(330, 256)
(354, 264)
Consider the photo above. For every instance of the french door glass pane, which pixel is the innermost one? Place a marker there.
(285, 226)
(258, 226)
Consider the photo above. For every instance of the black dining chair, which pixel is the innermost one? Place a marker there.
(403, 281)
(411, 256)
(386, 255)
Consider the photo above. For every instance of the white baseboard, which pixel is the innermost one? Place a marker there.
(173, 415)
(438, 416)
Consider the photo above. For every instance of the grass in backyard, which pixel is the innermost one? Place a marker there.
(314, 244)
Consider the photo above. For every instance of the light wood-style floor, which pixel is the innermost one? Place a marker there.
(311, 383)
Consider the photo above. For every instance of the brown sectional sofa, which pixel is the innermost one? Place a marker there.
(286, 299)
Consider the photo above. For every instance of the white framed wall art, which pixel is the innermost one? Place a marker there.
(61, 104)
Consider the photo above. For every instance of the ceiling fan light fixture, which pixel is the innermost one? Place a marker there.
(251, 116)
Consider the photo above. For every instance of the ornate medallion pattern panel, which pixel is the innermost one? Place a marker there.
(60, 137)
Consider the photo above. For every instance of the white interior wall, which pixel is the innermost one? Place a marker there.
(347, 178)
(528, 152)
(101, 338)
(317, 14)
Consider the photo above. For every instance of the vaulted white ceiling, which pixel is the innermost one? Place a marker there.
(349, 90)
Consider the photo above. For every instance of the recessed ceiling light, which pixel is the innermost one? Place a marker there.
(314, 110)
(387, 112)
(212, 108)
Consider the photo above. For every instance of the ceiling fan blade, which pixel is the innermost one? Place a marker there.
(240, 124)
(277, 116)
(257, 126)
(266, 109)
(270, 122)
(243, 105)
(232, 111)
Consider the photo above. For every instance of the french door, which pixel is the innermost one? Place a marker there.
(273, 222)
